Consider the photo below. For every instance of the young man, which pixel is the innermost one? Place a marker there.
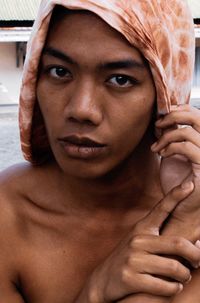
(86, 224)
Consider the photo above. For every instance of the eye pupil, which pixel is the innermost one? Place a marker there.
(121, 80)
(60, 72)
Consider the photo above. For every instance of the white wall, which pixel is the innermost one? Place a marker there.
(10, 75)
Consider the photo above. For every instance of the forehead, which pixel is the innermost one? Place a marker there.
(83, 32)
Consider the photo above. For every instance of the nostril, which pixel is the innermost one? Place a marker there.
(81, 121)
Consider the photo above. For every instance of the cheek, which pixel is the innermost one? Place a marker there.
(131, 127)
(48, 109)
(135, 118)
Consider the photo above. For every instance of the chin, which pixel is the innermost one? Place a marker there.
(108, 166)
(85, 170)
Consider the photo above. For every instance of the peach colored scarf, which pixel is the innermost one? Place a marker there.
(161, 29)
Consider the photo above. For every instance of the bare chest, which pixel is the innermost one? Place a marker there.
(55, 266)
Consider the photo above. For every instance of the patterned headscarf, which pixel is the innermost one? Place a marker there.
(162, 30)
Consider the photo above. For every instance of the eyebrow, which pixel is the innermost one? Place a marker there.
(118, 64)
(58, 54)
(127, 63)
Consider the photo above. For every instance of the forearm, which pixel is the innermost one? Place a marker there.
(86, 297)
(90, 293)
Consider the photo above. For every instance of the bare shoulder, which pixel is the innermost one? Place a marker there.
(11, 229)
(27, 192)
(15, 183)
(12, 189)
(17, 186)
(24, 183)
(20, 210)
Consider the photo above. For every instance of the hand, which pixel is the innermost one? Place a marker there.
(180, 149)
(179, 146)
(140, 263)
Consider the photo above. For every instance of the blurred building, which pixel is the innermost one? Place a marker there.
(16, 20)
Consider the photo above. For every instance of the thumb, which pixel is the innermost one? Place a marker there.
(153, 221)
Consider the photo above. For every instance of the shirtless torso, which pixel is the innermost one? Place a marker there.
(48, 251)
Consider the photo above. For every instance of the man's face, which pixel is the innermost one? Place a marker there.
(96, 95)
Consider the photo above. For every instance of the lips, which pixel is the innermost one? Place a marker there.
(82, 147)
(82, 141)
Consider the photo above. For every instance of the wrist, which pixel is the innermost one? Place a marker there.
(95, 289)
(91, 293)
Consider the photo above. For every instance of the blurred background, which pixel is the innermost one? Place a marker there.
(16, 20)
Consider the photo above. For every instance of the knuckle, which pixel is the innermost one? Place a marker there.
(173, 146)
(174, 116)
(138, 228)
(179, 243)
(136, 241)
(186, 145)
(170, 289)
(187, 275)
(126, 276)
(174, 266)
(187, 130)
(164, 207)
(165, 137)
(130, 261)
(176, 194)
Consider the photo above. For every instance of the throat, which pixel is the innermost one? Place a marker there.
(133, 184)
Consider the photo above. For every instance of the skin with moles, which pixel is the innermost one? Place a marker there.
(54, 236)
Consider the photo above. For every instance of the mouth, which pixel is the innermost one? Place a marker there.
(82, 147)
(81, 141)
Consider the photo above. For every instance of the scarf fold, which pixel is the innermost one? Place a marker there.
(162, 30)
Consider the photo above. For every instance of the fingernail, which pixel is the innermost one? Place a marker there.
(197, 243)
(159, 121)
(162, 152)
(180, 288)
(187, 185)
(188, 281)
(154, 145)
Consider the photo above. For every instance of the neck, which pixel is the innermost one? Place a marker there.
(133, 184)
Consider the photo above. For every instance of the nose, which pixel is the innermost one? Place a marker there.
(83, 106)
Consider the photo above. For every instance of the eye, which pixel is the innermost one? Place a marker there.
(59, 72)
(122, 81)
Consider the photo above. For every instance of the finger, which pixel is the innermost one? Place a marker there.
(165, 245)
(187, 149)
(191, 118)
(153, 221)
(178, 135)
(160, 287)
(182, 107)
(166, 268)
